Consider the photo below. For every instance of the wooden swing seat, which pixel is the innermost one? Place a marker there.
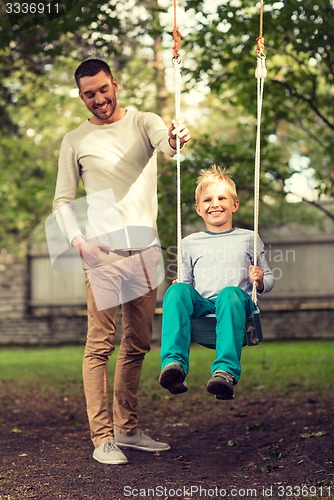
(204, 330)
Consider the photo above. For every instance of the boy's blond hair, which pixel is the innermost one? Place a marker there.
(212, 175)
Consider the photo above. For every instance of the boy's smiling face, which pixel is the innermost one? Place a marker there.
(216, 206)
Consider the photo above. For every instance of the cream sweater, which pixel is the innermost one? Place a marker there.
(118, 167)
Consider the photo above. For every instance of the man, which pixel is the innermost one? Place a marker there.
(113, 152)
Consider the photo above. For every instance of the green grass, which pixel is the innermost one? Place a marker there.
(289, 368)
(282, 368)
(54, 369)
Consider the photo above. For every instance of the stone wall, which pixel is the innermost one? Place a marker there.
(314, 322)
(19, 325)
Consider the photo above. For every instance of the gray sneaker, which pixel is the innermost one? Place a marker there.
(109, 453)
(172, 378)
(221, 385)
(139, 441)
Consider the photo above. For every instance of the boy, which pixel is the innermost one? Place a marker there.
(218, 276)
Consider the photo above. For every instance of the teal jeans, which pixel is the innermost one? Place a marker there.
(182, 303)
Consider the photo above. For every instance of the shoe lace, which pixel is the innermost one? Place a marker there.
(110, 446)
(224, 375)
(142, 435)
(144, 438)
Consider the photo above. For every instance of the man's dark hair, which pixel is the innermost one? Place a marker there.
(91, 67)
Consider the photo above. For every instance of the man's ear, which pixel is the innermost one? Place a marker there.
(115, 84)
(81, 96)
(236, 206)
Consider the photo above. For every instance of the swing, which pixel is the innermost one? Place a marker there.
(204, 328)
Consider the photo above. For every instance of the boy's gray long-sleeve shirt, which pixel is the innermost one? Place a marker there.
(213, 261)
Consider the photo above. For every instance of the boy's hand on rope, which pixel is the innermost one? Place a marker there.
(256, 274)
(178, 130)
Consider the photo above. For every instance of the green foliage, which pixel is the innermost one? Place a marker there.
(29, 153)
(299, 44)
(36, 107)
(297, 116)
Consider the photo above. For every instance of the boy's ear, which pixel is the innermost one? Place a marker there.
(236, 206)
(198, 210)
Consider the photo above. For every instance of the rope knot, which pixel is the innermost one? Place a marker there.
(260, 46)
(177, 43)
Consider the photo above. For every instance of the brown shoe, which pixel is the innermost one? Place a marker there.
(172, 378)
(221, 385)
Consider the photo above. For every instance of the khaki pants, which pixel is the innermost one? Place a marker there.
(136, 338)
(122, 276)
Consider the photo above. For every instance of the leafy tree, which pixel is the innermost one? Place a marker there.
(36, 106)
(28, 152)
(298, 110)
(36, 87)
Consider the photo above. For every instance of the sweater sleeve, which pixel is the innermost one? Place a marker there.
(65, 193)
(187, 266)
(268, 279)
(157, 133)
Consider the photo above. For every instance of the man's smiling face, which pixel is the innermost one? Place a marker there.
(98, 92)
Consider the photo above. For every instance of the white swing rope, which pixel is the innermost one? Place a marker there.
(177, 84)
(260, 75)
(177, 88)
